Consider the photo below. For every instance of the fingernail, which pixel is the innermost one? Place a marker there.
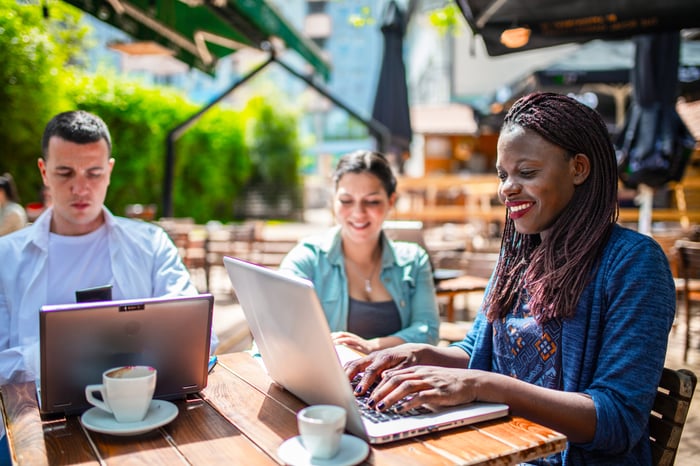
(370, 403)
(358, 389)
(381, 406)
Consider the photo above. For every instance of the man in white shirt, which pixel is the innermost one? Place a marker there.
(77, 244)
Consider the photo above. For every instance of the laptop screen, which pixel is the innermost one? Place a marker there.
(78, 342)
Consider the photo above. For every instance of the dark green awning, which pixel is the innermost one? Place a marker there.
(199, 32)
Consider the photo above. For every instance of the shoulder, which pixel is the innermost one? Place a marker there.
(139, 235)
(631, 254)
(624, 240)
(16, 240)
(137, 227)
(407, 252)
(15, 208)
(321, 243)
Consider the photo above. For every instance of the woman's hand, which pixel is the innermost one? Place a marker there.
(355, 342)
(373, 365)
(365, 346)
(428, 386)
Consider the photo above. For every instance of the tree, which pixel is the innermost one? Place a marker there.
(34, 51)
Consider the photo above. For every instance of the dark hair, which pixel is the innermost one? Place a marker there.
(7, 184)
(554, 272)
(77, 126)
(365, 161)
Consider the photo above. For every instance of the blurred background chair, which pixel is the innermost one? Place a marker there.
(689, 272)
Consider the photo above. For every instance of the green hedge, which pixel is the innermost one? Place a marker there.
(218, 160)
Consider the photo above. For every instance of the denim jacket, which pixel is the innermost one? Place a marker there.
(405, 271)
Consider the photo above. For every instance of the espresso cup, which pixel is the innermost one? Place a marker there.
(126, 392)
(321, 429)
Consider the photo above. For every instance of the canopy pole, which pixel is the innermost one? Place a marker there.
(645, 199)
(378, 129)
(175, 133)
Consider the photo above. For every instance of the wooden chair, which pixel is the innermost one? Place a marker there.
(689, 272)
(667, 418)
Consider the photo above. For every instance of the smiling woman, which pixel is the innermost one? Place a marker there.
(558, 334)
(375, 292)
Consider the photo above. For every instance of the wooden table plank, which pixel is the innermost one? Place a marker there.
(263, 419)
(205, 437)
(23, 424)
(151, 448)
(66, 442)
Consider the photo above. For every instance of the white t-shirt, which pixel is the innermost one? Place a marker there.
(76, 263)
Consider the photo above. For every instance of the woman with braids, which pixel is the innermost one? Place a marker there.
(375, 292)
(573, 329)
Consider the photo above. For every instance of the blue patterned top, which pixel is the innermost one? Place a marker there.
(525, 350)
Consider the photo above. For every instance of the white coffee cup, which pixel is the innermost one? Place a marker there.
(321, 428)
(126, 392)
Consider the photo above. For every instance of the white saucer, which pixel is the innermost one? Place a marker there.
(159, 413)
(352, 451)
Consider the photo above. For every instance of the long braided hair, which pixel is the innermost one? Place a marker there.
(554, 271)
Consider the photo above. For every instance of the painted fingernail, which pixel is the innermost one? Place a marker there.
(381, 406)
(370, 403)
(358, 389)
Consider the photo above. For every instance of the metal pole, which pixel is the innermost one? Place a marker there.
(175, 133)
(378, 129)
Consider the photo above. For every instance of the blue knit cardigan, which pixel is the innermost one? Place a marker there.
(613, 348)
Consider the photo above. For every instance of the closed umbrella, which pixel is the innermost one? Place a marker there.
(654, 146)
(391, 99)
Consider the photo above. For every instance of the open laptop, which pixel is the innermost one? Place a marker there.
(78, 342)
(293, 337)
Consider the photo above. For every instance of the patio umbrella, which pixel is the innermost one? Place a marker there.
(391, 99)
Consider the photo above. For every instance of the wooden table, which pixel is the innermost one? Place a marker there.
(452, 287)
(242, 418)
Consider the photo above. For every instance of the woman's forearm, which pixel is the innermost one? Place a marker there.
(572, 414)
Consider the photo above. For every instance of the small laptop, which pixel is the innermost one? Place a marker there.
(79, 341)
(293, 337)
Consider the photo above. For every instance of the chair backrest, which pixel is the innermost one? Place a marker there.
(667, 418)
(688, 258)
(405, 230)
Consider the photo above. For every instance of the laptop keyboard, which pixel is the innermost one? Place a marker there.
(389, 414)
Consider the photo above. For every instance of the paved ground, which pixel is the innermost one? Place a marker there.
(230, 326)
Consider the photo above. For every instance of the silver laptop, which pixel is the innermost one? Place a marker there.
(293, 337)
(80, 341)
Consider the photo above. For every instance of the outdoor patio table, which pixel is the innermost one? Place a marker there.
(242, 417)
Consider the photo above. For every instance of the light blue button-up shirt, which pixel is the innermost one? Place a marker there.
(405, 272)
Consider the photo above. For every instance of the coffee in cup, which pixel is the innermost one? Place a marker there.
(321, 428)
(126, 392)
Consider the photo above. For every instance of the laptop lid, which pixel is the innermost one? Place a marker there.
(293, 337)
(78, 342)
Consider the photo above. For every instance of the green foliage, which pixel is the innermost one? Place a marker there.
(217, 158)
(275, 151)
(362, 18)
(447, 19)
(210, 158)
(34, 54)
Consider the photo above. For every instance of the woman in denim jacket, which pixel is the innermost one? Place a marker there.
(375, 292)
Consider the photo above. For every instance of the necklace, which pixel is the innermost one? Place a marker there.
(368, 280)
